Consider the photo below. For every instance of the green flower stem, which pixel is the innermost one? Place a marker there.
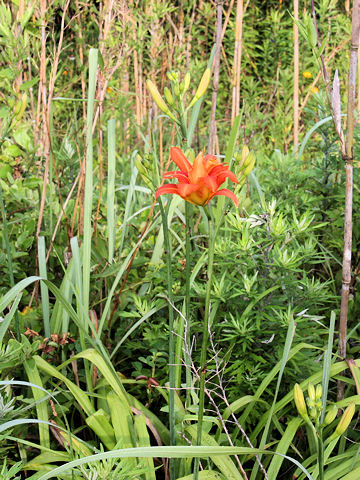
(320, 444)
(171, 337)
(187, 302)
(205, 341)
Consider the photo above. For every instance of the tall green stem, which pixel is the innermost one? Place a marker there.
(187, 302)
(171, 337)
(321, 454)
(204, 344)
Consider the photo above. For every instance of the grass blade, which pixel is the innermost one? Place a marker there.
(327, 365)
(41, 407)
(88, 195)
(111, 190)
(43, 288)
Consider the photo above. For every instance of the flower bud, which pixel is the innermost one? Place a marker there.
(158, 99)
(318, 392)
(244, 153)
(249, 164)
(344, 422)
(203, 85)
(20, 107)
(156, 96)
(313, 412)
(331, 415)
(186, 81)
(139, 164)
(173, 76)
(177, 90)
(311, 392)
(300, 401)
(168, 96)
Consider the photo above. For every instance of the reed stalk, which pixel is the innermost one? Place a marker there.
(296, 74)
(212, 128)
(235, 109)
(348, 159)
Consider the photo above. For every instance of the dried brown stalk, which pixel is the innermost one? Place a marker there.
(349, 159)
(212, 132)
(237, 61)
(296, 73)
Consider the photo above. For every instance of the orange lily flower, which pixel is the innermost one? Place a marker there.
(200, 182)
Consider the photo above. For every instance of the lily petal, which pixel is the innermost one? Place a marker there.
(166, 189)
(211, 182)
(179, 158)
(221, 177)
(198, 169)
(185, 190)
(182, 177)
(229, 194)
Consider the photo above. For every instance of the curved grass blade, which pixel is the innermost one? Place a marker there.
(168, 452)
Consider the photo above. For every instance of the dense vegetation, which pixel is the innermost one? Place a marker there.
(230, 306)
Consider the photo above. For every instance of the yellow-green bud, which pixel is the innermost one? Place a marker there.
(168, 96)
(249, 164)
(313, 412)
(177, 89)
(173, 76)
(331, 415)
(244, 154)
(156, 96)
(203, 85)
(344, 422)
(158, 99)
(300, 401)
(186, 81)
(318, 392)
(249, 159)
(20, 107)
(311, 392)
(138, 162)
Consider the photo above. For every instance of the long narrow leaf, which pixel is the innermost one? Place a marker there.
(111, 190)
(167, 452)
(88, 195)
(43, 287)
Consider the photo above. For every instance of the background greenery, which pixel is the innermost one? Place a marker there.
(277, 258)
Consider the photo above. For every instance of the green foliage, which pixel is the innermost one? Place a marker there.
(98, 382)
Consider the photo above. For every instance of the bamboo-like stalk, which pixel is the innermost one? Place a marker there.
(212, 128)
(235, 109)
(296, 74)
(349, 159)
(42, 111)
(358, 82)
(81, 56)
